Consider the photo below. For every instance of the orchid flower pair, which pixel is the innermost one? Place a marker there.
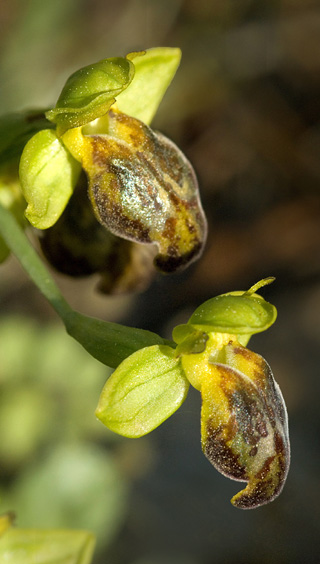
(103, 187)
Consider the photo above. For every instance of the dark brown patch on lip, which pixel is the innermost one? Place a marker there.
(257, 496)
(170, 228)
(266, 484)
(149, 164)
(248, 412)
(172, 263)
(254, 430)
(280, 449)
(265, 468)
(221, 456)
(174, 199)
(261, 371)
(250, 419)
(116, 221)
(239, 350)
(98, 157)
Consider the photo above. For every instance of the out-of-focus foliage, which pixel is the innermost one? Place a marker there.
(32, 546)
(50, 441)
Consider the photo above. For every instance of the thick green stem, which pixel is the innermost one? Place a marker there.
(110, 343)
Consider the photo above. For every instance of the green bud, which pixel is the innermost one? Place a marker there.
(28, 546)
(90, 91)
(145, 389)
(48, 174)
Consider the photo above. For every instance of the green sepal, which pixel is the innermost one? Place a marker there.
(238, 313)
(90, 91)
(30, 546)
(154, 71)
(48, 175)
(15, 131)
(146, 389)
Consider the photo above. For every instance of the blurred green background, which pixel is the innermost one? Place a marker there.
(245, 108)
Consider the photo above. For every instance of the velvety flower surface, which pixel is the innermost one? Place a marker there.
(143, 189)
(244, 427)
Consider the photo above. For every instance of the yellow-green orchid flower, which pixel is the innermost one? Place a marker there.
(141, 187)
(244, 427)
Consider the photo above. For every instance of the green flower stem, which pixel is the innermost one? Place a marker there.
(110, 343)
(20, 246)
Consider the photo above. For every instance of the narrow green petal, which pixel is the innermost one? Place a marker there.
(154, 71)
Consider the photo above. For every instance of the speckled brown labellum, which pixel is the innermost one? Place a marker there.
(144, 189)
(244, 426)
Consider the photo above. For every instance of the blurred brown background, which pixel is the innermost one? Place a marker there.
(245, 108)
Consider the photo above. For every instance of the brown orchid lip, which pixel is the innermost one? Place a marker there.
(245, 431)
(143, 189)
